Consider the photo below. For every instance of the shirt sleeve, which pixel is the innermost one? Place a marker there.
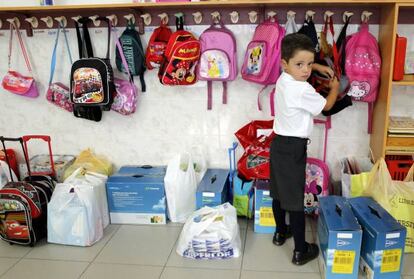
(312, 101)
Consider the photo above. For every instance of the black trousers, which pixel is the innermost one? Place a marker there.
(297, 224)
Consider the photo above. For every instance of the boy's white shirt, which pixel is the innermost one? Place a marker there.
(296, 103)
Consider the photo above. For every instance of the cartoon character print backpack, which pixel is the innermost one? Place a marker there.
(218, 60)
(262, 58)
(363, 67)
(180, 58)
(157, 45)
(317, 176)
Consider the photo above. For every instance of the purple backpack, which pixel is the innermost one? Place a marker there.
(262, 59)
(363, 68)
(218, 59)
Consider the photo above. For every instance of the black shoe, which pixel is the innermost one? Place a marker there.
(280, 238)
(300, 258)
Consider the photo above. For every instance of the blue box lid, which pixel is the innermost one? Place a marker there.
(374, 216)
(338, 214)
(134, 178)
(142, 170)
(213, 180)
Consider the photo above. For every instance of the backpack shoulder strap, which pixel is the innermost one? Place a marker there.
(22, 47)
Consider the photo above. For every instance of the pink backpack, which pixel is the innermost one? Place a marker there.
(218, 59)
(363, 68)
(262, 59)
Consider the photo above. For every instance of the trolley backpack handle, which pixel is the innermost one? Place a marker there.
(45, 138)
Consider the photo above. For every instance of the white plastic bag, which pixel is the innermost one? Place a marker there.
(83, 177)
(5, 174)
(180, 184)
(211, 233)
(74, 217)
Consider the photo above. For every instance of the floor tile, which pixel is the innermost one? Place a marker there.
(261, 255)
(408, 266)
(121, 271)
(145, 245)
(49, 251)
(6, 263)
(42, 269)
(13, 251)
(176, 260)
(247, 274)
(408, 277)
(186, 273)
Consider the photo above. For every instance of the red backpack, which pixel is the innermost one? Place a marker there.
(156, 46)
(180, 58)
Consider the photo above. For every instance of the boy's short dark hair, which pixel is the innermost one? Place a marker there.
(294, 42)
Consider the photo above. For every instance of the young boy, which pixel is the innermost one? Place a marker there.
(296, 103)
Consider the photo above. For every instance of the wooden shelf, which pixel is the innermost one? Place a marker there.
(399, 145)
(407, 80)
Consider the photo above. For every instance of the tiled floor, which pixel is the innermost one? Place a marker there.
(149, 252)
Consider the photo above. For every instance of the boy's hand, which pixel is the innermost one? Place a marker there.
(334, 84)
(324, 70)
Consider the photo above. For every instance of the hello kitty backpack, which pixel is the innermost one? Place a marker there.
(363, 68)
(317, 176)
(218, 59)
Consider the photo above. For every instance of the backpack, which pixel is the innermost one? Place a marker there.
(218, 59)
(180, 58)
(92, 82)
(308, 29)
(262, 59)
(317, 176)
(156, 46)
(363, 68)
(134, 54)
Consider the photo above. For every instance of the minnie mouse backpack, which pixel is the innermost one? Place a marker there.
(363, 68)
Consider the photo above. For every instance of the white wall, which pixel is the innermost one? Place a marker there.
(167, 120)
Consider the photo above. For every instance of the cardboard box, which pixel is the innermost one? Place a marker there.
(142, 170)
(340, 238)
(383, 240)
(213, 188)
(264, 222)
(136, 199)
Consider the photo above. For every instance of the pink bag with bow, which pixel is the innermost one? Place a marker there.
(15, 82)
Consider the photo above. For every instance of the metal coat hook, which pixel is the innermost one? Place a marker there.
(291, 14)
(164, 18)
(365, 16)
(76, 18)
(61, 20)
(1, 23)
(271, 15)
(33, 21)
(327, 14)
(198, 17)
(48, 20)
(95, 20)
(147, 18)
(215, 16)
(234, 16)
(252, 16)
(130, 18)
(15, 21)
(310, 14)
(113, 19)
(346, 15)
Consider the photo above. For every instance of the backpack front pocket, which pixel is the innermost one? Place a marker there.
(214, 64)
(87, 86)
(254, 59)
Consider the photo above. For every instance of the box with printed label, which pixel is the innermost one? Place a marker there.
(383, 240)
(136, 199)
(264, 222)
(213, 189)
(147, 170)
(340, 238)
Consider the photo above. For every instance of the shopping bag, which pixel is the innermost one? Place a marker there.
(397, 197)
(211, 233)
(90, 161)
(74, 217)
(354, 175)
(180, 184)
(5, 172)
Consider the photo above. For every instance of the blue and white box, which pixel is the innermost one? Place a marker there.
(147, 170)
(340, 238)
(136, 199)
(264, 222)
(383, 240)
(213, 188)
